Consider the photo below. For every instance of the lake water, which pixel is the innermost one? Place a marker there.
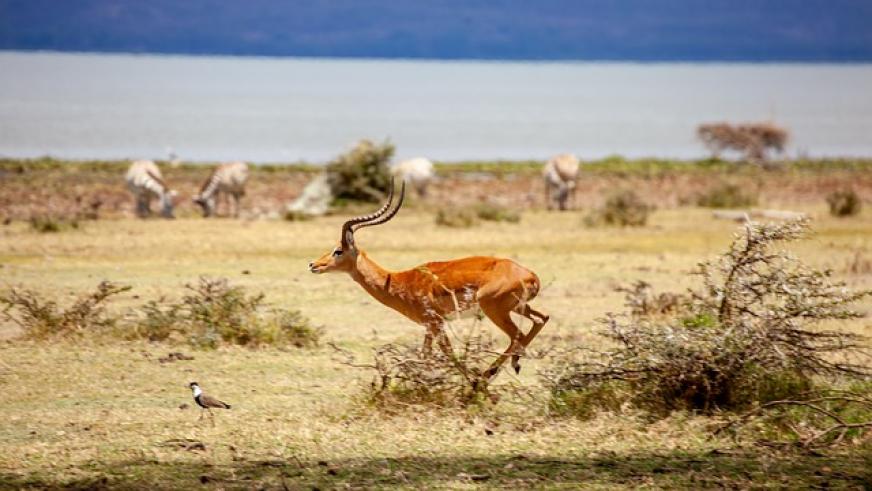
(286, 109)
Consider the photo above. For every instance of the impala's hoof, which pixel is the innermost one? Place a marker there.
(479, 385)
(516, 364)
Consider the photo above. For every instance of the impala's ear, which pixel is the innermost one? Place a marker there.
(349, 238)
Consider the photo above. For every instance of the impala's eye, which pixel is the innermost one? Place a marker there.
(337, 252)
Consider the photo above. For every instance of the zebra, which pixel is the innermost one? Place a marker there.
(560, 174)
(418, 172)
(228, 179)
(145, 182)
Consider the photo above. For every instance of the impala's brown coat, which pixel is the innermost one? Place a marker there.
(429, 293)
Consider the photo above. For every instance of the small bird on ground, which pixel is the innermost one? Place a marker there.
(206, 402)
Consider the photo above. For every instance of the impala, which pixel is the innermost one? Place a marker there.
(429, 293)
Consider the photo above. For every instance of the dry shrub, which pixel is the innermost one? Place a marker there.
(624, 209)
(45, 319)
(362, 174)
(844, 203)
(46, 224)
(749, 335)
(859, 264)
(641, 301)
(753, 140)
(822, 417)
(213, 312)
(456, 217)
(53, 218)
(405, 376)
(726, 195)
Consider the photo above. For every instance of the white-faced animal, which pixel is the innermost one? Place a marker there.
(206, 402)
(560, 174)
(418, 172)
(146, 183)
(227, 180)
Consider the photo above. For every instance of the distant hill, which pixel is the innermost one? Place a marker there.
(755, 30)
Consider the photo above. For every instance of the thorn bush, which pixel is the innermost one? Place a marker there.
(748, 334)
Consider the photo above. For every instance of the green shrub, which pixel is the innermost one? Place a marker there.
(624, 209)
(214, 313)
(726, 196)
(456, 217)
(496, 213)
(159, 322)
(844, 203)
(362, 174)
(297, 216)
(45, 319)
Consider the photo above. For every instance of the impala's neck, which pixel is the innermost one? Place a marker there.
(372, 277)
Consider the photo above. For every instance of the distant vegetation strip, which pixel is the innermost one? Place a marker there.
(605, 166)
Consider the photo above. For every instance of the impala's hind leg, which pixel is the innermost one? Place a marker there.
(497, 313)
(539, 320)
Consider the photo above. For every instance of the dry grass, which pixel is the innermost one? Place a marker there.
(88, 414)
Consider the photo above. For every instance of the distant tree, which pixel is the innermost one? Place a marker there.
(753, 140)
(361, 174)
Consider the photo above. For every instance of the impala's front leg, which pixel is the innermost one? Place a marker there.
(436, 330)
(427, 348)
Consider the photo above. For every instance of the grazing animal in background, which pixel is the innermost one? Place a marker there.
(561, 174)
(146, 182)
(227, 180)
(418, 172)
(429, 293)
(206, 402)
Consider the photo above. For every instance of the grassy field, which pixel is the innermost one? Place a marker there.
(93, 414)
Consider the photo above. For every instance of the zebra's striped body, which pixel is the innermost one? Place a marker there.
(145, 181)
(227, 179)
(560, 174)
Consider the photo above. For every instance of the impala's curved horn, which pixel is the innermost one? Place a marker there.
(389, 215)
(347, 227)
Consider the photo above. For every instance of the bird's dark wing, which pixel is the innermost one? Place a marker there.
(209, 401)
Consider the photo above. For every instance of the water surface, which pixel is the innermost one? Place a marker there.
(287, 109)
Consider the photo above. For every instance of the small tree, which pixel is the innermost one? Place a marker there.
(362, 174)
(753, 140)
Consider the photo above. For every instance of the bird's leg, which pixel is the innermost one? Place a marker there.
(212, 417)
(201, 414)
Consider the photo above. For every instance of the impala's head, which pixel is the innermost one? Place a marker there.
(343, 257)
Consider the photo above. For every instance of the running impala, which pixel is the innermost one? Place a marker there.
(429, 293)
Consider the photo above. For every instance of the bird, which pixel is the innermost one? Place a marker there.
(206, 401)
